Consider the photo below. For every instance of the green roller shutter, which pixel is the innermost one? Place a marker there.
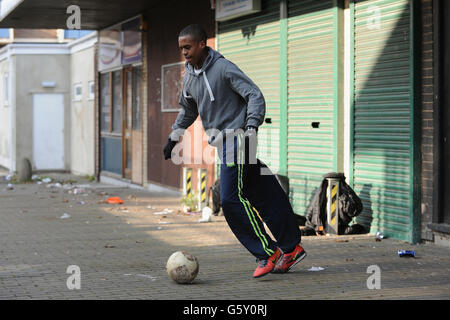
(382, 115)
(312, 97)
(253, 44)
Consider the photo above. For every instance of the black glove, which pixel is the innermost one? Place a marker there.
(168, 148)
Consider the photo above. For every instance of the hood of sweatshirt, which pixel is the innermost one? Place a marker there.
(212, 57)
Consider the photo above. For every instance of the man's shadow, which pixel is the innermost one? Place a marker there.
(366, 217)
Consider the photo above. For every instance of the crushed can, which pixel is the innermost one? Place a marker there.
(406, 253)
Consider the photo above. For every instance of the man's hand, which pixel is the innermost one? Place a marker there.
(251, 133)
(251, 141)
(168, 148)
(251, 129)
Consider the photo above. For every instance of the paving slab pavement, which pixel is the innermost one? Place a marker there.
(121, 252)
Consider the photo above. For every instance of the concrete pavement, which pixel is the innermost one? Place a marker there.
(121, 252)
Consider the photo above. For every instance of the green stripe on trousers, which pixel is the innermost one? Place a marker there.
(246, 203)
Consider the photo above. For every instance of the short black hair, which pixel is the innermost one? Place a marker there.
(195, 31)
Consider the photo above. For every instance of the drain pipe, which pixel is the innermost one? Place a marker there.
(11, 102)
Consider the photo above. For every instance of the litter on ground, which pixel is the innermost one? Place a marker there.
(316, 269)
(165, 211)
(114, 200)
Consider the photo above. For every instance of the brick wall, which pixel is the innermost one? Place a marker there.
(427, 119)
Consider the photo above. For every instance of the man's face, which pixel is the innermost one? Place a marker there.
(192, 50)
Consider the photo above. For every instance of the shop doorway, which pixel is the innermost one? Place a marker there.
(132, 124)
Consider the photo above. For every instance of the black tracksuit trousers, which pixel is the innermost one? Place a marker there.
(249, 193)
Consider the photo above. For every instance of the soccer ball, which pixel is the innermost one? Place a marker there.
(182, 267)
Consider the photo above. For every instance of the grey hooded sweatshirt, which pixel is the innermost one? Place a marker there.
(222, 94)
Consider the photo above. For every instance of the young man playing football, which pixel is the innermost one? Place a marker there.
(232, 108)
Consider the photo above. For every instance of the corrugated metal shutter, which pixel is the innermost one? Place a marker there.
(253, 44)
(311, 97)
(382, 125)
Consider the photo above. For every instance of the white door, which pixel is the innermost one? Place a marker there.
(48, 131)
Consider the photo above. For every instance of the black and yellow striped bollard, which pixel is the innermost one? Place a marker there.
(332, 206)
(187, 182)
(201, 188)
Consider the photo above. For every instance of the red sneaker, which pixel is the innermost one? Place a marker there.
(266, 266)
(289, 260)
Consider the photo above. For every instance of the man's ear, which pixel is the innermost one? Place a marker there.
(202, 44)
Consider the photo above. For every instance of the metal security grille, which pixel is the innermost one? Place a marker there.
(383, 100)
(253, 44)
(311, 97)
